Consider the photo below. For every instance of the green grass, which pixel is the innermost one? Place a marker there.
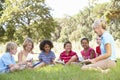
(60, 72)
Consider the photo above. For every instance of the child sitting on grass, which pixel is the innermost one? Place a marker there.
(68, 56)
(7, 62)
(25, 56)
(46, 57)
(87, 52)
(98, 51)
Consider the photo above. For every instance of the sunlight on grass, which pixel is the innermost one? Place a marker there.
(61, 72)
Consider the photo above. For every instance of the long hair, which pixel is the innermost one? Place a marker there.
(27, 41)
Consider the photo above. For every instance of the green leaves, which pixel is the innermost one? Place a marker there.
(28, 18)
(75, 27)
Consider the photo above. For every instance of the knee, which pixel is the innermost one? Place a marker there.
(17, 67)
(74, 57)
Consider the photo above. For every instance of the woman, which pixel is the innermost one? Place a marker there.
(107, 59)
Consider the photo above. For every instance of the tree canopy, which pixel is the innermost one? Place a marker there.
(31, 18)
(26, 18)
(80, 25)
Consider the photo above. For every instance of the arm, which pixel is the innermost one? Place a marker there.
(20, 55)
(60, 57)
(8, 61)
(101, 57)
(53, 58)
(92, 53)
(10, 65)
(40, 58)
(14, 67)
(53, 61)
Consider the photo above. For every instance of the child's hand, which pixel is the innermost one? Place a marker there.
(86, 62)
(92, 61)
(54, 62)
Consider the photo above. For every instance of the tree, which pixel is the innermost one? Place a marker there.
(112, 16)
(1, 6)
(28, 18)
(80, 25)
(2, 31)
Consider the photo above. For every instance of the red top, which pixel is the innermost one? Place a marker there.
(67, 57)
(86, 55)
(98, 51)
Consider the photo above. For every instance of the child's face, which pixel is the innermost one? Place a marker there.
(98, 40)
(13, 51)
(85, 44)
(47, 48)
(68, 47)
(28, 47)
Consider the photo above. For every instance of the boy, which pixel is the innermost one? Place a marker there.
(7, 62)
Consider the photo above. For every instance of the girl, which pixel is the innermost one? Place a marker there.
(25, 56)
(68, 55)
(46, 57)
(7, 62)
(87, 53)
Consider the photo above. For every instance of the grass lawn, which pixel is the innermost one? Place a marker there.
(60, 72)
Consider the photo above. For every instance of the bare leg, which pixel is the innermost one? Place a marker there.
(102, 66)
(40, 65)
(14, 68)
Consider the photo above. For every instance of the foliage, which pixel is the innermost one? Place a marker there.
(80, 25)
(31, 18)
(112, 16)
(27, 18)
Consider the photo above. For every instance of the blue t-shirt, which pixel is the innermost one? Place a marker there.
(47, 58)
(107, 38)
(5, 60)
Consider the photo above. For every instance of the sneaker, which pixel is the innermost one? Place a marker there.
(60, 62)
